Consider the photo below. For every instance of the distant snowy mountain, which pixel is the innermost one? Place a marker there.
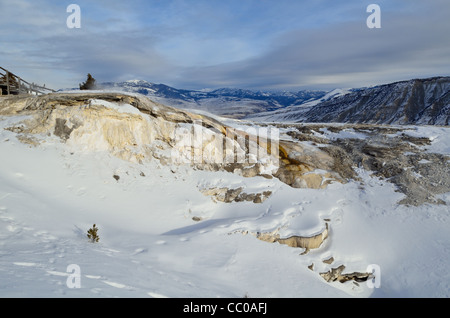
(417, 101)
(229, 102)
(294, 112)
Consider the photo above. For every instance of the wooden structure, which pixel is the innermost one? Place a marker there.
(11, 84)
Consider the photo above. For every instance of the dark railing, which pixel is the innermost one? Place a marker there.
(11, 84)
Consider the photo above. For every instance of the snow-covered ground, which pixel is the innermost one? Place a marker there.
(161, 237)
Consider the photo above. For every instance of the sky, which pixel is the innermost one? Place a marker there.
(204, 44)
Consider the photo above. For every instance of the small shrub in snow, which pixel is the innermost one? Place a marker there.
(92, 234)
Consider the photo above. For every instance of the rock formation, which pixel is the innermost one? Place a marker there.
(135, 128)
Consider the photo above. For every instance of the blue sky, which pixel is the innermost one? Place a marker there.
(254, 44)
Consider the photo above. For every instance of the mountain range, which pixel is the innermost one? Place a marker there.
(228, 102)
(416, 101)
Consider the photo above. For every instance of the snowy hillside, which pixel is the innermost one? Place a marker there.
(311, 220)
(295, 112)
(417, 101)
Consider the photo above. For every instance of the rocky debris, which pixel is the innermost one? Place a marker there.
(308, 133)
(420, 182)
(388, 152)
(235, 195)
(335, 274)
(62, 130)
(397, 161)
(30, 140)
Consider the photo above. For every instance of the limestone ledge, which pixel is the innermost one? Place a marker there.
(152, 131)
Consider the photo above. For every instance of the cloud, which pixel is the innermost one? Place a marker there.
(261, 44)
(345, 55)
(109, 44)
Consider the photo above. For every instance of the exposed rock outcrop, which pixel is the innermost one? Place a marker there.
(389, 152)
(335, 274)
(306, 242)
(134, 128)
(235, 195)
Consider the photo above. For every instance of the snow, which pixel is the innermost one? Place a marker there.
(136, 82)
(438, 135)
(150, 246)
(346, 133)
(330, 95)
(122, 108)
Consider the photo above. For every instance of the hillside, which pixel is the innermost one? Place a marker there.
(417, 101)
(194, 205)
